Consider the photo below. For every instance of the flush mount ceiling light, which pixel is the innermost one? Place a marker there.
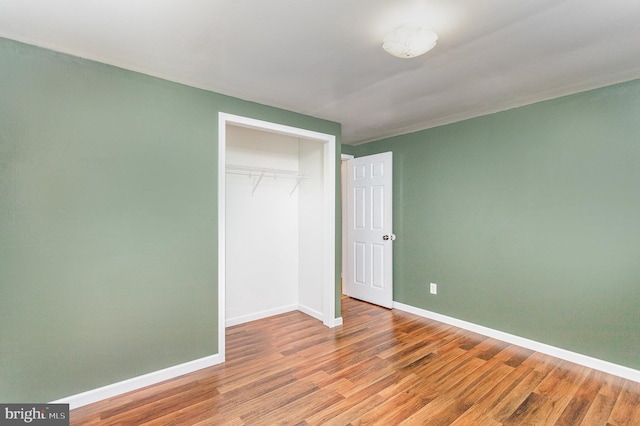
(409, 41)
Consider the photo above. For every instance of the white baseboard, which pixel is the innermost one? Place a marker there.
(260, 315)
(336, 322)
(139, 382)
(329, 322)
(311, 312)
(587, 361)
(281, 310)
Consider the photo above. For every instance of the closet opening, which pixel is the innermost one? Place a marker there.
(276, 222)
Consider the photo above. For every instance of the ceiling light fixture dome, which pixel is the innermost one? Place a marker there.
(409, 41)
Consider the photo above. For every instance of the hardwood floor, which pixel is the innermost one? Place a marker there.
(383, 367)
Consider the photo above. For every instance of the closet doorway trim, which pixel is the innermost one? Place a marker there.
(329, 205)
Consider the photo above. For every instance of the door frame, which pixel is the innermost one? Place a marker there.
(344, 200)
(329, 213)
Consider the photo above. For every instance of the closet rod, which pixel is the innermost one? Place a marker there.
(265, 172)
(261, 172)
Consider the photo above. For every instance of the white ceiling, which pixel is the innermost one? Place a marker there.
(323, 57)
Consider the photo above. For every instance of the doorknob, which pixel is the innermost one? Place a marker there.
(389, 237)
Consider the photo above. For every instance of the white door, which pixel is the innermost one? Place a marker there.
(369, 273)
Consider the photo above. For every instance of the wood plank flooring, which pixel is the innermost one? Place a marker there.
(382, 367)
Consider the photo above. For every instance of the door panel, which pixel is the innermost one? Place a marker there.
(369, 274)
(377, 195)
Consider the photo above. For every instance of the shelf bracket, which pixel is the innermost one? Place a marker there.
(255, 185)
(298, 180)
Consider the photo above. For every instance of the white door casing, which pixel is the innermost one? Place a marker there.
(369, 272)
(343, 212)
(328, 227)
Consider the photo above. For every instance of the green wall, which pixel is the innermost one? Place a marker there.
(108, 213)
(528, 220)
(349, 149)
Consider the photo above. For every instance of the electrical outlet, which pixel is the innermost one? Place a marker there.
(433, 288)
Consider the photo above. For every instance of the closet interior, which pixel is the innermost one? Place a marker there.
(274, 224)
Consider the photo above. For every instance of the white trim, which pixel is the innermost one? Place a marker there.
(343, 210)
(281, 310)
(587, 361)
(329, 231)
(329, 203)
(311, 312)
(139, 382)
(260, 315)
(332, 322)
(222, 239)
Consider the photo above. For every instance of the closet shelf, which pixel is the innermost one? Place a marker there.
(262, 172)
